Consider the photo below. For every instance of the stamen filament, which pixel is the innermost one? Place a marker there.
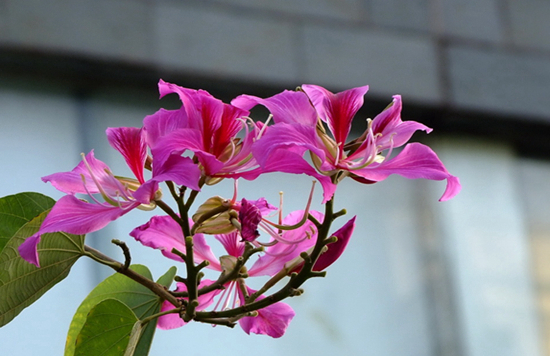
(304, 218)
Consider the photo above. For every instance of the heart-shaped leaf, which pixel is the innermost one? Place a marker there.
(138, 298)
(22, 283)
(17, 210)
(106, 330)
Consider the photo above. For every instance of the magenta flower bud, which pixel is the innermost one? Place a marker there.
(336, 249)
(250, 217)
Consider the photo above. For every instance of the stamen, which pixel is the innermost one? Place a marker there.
(332, 147)
(391, 145)
(338, 153)
(369, 156)
(267, 244)
(230, 298)
(304, 218)
(87, 191)
(320, 125)
(222, 297)
(102, 191)
(262, 130)
(232, 152)
(280, 208)
(235, 190)
(317, 163)
(278, 236)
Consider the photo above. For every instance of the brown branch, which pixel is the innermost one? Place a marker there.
(128, 272)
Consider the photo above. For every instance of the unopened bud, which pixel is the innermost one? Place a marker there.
(228, 263)
(214, 217)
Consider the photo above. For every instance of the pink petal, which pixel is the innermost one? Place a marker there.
(415, 161)
(216, 122)
(296, 138)
(28, 249)
(169, 321)
(263, 205)
(288, 107)
(129, 141)
(272, 320)
(180, 170)
(248, 175)
(206, 116)
(181, 140)
(177, 142)
(229, 128)
(166, 88)
(337, 109)
(239, 163)
(203, 252)
(282, 148)
(162, 123)
(73, 216)
(287, 161)
(211, 164)
(145, 194)
(391, 130)
(194, 105)
(453, 188)
(231, 243)
(164, 233)
(72, 183)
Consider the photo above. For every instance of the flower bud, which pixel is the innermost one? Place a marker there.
(214, 216)
(249, 216)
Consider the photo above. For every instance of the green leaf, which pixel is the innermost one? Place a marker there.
(17, 210)
(167, 278)
(107, 330)
(138, 298)
(22, 283)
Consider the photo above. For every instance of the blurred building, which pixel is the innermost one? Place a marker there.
(468, 277)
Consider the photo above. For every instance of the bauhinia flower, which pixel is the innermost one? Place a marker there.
(165, 234)
(300, 118)
(207, 127)
(120, 195)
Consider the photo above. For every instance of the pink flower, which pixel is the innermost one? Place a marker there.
(207, 127)
(120, 195)
(163, 233)
(300, 118)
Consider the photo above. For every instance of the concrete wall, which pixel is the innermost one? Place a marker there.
(491, 55)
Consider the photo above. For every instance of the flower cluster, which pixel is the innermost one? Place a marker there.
(206, 141)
